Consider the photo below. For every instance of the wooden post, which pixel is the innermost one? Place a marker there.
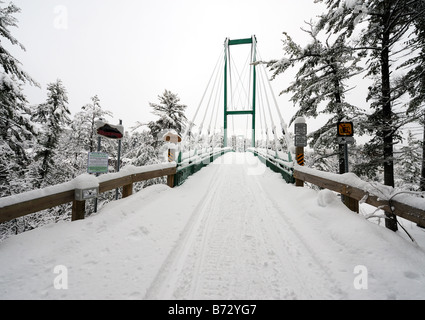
(78, 210)
(127, 190)
(170, 181)
(351, 203)
(299, 151)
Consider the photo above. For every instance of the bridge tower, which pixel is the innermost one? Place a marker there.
(227, 44)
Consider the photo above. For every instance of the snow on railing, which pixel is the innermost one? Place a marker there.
(19, 205)
(401, 203)
(201, 155)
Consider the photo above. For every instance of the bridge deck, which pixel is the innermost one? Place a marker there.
(234, 230)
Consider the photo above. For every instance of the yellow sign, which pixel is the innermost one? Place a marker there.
(345, 129)
(300, 159)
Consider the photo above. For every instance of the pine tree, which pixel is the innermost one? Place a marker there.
(170, 112)
(16, 129)
(409, 164)
(414, 80)
(82, 135)
(92, 112)
(54, 117)
(9, 64)
(384, 24)
(138, 149)
(324, 70)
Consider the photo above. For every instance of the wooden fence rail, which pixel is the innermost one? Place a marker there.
(23, 208)
(352, 196)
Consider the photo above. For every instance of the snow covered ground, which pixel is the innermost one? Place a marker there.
(234, 230)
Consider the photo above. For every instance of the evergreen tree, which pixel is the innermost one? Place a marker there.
(92, 112)
(409, 164)
(9, 64)
(170, 112)
(384, 24)
(16, 129)
(82, 135)
(54, 117)
(138, 149)
(324, 70)
(414, 80)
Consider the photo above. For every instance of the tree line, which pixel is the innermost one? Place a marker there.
(43, 145)
(383, 41)
(380, 40)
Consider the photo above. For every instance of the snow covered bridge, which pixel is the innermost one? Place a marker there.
(234, 230)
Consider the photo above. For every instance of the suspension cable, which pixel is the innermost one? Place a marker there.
(283, 124)
(203, 97)
(270, 113)
(264, 118)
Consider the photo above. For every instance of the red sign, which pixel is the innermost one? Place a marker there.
(110, 132)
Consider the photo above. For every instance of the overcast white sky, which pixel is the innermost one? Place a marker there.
(128, 52)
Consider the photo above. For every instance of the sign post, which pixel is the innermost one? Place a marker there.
(113, 132)
(300, 144)
(172, 138)
(345, 137)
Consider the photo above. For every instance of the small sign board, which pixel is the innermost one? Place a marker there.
(300, 141)
(346, 140)
(301, 129)
(345, 129)
(97, 162)
(115, 132)
(171, 155)
(86, 194)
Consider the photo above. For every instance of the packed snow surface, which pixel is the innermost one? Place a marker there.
(234, 230)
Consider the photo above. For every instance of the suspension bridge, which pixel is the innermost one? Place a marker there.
(238, 109)
(231, 224)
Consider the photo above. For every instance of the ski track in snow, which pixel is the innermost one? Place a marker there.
(238, 245)
(235, 230)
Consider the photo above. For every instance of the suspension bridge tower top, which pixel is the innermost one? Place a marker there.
(252, 83)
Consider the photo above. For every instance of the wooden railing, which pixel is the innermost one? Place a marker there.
(34, 201)
(409, 207)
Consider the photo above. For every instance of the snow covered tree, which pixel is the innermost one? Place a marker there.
(414, 80)
(409, 164)
(92, 112)
(138, 148)
(383, 25)
(9, 64)
(53, 115)
(16, 129)
(138, 151)
(82, 135)
(170, 112)
(324, 69)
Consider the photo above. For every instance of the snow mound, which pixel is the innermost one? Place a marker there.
(85, 181)
(326, 198)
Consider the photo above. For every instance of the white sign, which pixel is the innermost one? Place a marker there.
(300, 141)
(346, 140)
(97, 162)
(301, 129)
